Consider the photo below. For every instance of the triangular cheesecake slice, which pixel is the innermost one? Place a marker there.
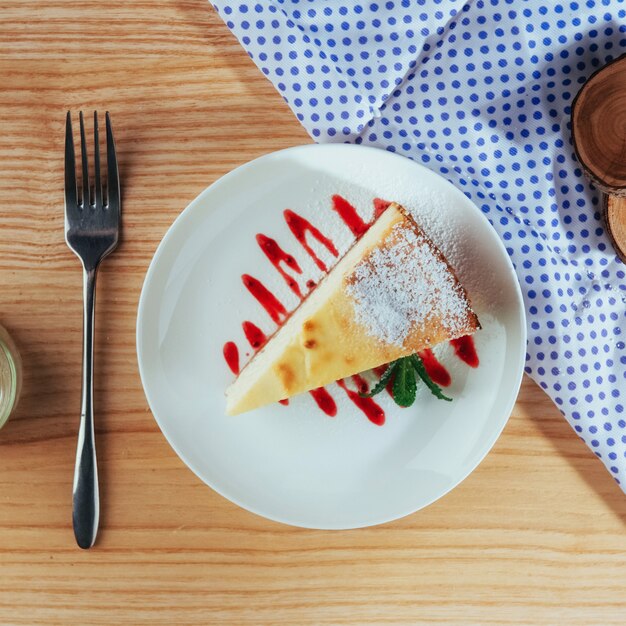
(392, 294)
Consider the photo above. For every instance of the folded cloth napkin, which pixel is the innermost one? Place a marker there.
(480, 91)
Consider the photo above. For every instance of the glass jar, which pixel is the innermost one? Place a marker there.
(10, 376)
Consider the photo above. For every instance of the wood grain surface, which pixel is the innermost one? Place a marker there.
(614, 215)
(598, 121)
(534, 536)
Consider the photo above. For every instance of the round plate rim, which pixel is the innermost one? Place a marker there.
(185, 214)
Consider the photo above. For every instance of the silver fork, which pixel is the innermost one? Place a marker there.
(92, 226)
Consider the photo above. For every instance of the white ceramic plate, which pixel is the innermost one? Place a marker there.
(292, 463)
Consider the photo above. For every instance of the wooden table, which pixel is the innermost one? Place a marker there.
(535, 535)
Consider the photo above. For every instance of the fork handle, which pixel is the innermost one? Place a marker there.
(85, 495)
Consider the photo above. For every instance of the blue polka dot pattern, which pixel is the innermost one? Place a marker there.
(480, 91)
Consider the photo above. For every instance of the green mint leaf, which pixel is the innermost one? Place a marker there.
(380, 385)
(404, 384)
(435, 389)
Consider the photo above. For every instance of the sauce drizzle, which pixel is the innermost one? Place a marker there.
(276, 256)
(265, 298)
(300, 227)
(324, 401)
(438, 373)
(255, 336)
(379, 207)
(350, 216)
(371, 409)
(231, 354)
(465, 349)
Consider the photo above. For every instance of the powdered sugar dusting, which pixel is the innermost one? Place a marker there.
(403, 284)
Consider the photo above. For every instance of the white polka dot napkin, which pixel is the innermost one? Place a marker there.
(480, 91)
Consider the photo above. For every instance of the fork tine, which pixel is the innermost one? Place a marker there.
(98, 198)
(71, 193)
(113, 184)
(85, 162)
